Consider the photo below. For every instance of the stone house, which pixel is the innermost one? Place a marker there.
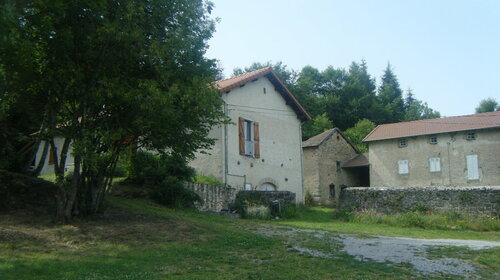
(330, 163)
(452, 151)
(261, 148)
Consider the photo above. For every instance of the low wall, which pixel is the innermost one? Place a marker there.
(268, 197)
(478, 200)
(215, 198)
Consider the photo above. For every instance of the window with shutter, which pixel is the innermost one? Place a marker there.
(472, 167)
(403, 166)
(435, 164)
(249, 144)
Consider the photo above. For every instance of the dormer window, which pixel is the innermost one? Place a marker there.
(402, 143)
(471, 136)
(433, 140)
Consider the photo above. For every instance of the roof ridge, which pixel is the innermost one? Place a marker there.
(246, 73)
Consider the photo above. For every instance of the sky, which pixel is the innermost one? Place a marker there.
(447, 52)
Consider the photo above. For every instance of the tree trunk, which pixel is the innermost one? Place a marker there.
(41, 162)
(64, 155)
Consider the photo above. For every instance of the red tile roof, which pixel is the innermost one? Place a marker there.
(228, 84)
(434, 126)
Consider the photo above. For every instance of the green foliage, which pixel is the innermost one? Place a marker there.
(357, 133)
(488, 105)
(345, 97)
(308, 199)
(343, 214)
(164, 176)
(316, 126)
(109, 71)
(421, 217)
(207, 179)
(417, 110)
(259, 212)
(290, 211)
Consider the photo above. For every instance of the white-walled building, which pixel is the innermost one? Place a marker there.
(261, 148)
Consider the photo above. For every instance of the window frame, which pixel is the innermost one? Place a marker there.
(249, 139)
(406, 164)
(436, 164)
(470, 136)
(433, 142)
(402, 143)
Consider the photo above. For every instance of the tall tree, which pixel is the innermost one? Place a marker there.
(357, 133)
(108, 71)
(487, 105)
(391, 95)
(416, 109)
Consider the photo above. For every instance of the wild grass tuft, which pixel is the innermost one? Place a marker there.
(449, 220)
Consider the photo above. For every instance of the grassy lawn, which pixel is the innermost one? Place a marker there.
(138, 240)
(321, 218)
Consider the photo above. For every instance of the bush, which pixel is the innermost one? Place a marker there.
(164, 177)
(173, 193)
(308, 199)
(260, 212)
(18, 191)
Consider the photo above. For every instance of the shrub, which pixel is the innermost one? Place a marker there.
(260, 212)
(308, 199)
(164, 177)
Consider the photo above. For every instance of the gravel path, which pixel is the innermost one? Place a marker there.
(383, 249)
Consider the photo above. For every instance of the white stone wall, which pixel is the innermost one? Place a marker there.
(280, 141)
(452, 149)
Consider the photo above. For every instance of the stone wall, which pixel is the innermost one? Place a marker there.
(215, 198)
(267, 197)
(478, 200)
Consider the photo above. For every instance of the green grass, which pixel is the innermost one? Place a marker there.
(140, 240)
(321, 218)
(207, 179)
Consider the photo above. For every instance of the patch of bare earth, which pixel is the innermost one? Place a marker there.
(23, 230)
(378, 248)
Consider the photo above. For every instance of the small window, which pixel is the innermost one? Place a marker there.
(332, 191)
(264, 90)
(435, 164)
(403, 166)
(471, 136)
(433, 140)
(338, 165)
(248, 138)
(402, 143)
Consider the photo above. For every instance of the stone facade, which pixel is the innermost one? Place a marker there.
(279, 165)
(215, 198)
(322, 167)
(476, 200)
(451, 151)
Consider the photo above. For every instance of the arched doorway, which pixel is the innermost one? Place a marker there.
(267, 187)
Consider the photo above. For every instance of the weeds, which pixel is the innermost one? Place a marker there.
(421, 218)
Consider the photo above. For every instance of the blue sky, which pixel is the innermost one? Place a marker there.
(448, 52)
